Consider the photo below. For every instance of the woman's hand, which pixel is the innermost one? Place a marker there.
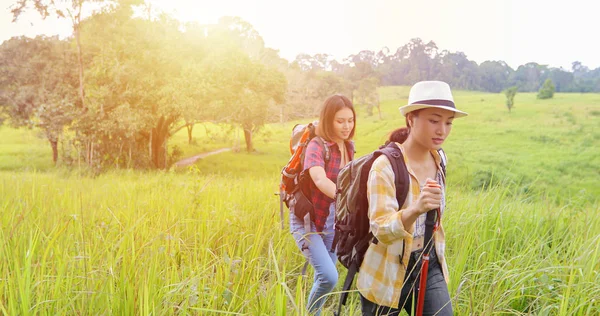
(430, 197)
(321, 181)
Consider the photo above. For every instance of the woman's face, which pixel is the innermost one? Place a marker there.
(431, 126)
(343, 124)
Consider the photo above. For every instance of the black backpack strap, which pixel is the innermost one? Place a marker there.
(401, 177)
(431, 217)
(346, 288)
(430, 220)
(402, 180)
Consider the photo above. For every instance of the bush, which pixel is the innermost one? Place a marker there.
(547, 90)
(510, 97)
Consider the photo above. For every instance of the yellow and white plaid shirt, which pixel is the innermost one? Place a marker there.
(381, 274)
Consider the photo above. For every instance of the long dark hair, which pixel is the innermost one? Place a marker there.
(331, 106)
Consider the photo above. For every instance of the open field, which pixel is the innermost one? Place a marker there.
(523, 231)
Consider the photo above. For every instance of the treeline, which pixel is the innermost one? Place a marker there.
(418, 60)
(113, 94)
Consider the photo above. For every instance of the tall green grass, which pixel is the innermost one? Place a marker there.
(168, 243)
(523, 234)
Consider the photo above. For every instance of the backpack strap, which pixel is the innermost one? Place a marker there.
(443, 162)
(401, 177)
(323, 144)
(432, 215)
(430, 220)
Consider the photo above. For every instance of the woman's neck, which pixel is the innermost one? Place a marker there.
(414, 151)
(339, 142)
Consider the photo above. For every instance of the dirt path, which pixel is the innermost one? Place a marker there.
(191, 160)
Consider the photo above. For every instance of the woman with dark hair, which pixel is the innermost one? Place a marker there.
(335, 130)
(390, 272)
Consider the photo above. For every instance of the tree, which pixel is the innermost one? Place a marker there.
(38, 85)
(494, 75)
(563, 80)
(367, 94)
(134, 101)
(547, 90)
(510, 97)
(70, 9)
(243, 90)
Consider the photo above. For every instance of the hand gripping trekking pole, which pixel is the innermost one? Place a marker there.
(431, 225)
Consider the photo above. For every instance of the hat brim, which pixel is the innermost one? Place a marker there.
(413, 107)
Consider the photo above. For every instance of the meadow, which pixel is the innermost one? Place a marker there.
(523, 232)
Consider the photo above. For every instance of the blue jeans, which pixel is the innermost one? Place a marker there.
(316, 248)
(437, 298)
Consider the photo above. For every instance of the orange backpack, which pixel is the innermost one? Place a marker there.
(294, 189)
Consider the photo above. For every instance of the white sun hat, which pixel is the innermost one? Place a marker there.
(431, 94)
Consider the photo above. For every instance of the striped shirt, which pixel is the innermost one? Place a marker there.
(381, 274)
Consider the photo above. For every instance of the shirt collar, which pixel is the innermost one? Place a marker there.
(434, 153)
(349, 143)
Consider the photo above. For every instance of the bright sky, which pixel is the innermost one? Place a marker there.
(516, 31)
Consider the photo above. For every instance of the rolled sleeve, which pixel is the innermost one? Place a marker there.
(314, 155)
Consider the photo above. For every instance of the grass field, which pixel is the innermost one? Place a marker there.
(522, 220)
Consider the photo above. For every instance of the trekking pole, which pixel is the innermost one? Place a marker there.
(281, 195)
(431, 220)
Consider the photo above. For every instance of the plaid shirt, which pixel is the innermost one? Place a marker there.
(315, 156)
(381, 274)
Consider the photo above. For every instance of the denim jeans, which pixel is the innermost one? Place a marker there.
(316, 248)
(437, 298)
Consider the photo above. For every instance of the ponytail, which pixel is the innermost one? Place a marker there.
(400, 135)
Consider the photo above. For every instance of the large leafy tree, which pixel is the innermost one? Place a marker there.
(68, 9)
(134, 76)
(243, 90)
(38, 85)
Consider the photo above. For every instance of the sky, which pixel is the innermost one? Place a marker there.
(555, 33)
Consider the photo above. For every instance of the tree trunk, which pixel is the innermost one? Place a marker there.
(129, 162)
(158, 143)
(80, 62)
(150, 144)
(158, 149)
(54, 145)
(190, 128)
(248, 137)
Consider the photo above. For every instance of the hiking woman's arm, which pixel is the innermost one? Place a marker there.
(385, 215)
(314, 161)
(322, 182)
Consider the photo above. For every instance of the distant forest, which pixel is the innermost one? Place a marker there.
(418, 60)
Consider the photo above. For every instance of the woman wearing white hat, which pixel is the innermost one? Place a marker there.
(386, 283)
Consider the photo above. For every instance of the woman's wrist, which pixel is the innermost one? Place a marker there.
(409, 216)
